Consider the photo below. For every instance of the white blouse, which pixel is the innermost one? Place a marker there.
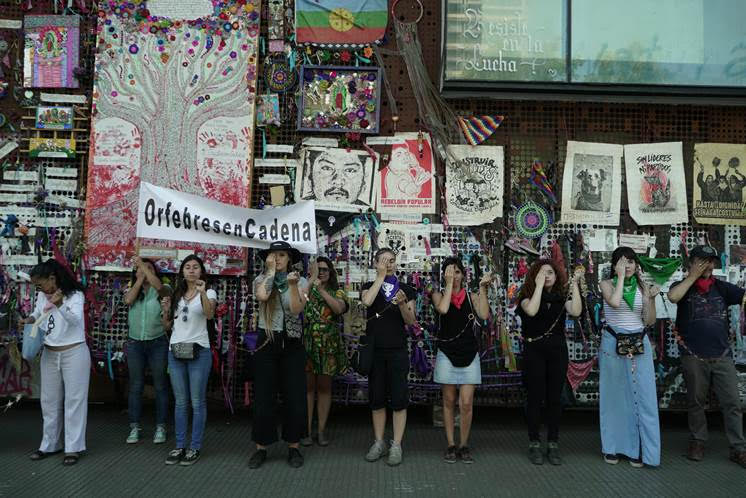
(190, 322)
(64, 325)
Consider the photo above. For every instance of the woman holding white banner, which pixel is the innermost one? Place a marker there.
(280, 357)
(65, 360)
(189, 357)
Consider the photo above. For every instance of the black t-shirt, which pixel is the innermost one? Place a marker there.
(460, 351)
(551, 311)
(702, 319)
(385, 321)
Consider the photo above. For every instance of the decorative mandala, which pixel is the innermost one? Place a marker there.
(532, 220)
(278, 77)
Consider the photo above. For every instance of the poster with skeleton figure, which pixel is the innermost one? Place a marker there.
(718, 179)
(592, 183)
(474, 186)
(656, 188)
(337, 179)
(407, 183)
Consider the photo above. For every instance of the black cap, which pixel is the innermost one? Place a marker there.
(281, 245)
(704, 252)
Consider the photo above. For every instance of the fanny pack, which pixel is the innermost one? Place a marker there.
(184, 350)
(628, 344)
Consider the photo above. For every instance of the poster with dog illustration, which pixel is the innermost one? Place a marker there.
(592, 183)
(407, 182)
(718, 180)
(656, 188)
(474, 185)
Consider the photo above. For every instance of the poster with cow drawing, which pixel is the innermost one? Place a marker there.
(592, 183)
(719, 177)
(656, 188)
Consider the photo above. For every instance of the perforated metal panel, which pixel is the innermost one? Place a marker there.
(531, 130)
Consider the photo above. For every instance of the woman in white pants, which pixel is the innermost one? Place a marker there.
(65, 360)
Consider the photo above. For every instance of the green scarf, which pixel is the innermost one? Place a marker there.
(281, 281)
(629, 290)
(660, 269)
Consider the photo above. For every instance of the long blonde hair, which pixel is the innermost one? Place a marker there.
(267, 309)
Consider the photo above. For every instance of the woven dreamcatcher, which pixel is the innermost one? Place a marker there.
(532, 220)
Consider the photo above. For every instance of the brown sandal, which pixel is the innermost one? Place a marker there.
(71, 459)
(41, 455)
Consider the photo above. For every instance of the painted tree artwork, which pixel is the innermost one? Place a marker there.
(174, 104)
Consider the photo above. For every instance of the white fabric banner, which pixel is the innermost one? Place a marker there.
(168, 214)
(656, 189)
(592, 183)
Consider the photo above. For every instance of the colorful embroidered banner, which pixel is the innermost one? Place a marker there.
(50, 52)
(477, 129)
(343, 22)
(173, 107)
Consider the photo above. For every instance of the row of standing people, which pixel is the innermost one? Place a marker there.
(299, 359)
(628, 403)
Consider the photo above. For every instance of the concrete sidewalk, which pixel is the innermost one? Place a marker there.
(112, 468)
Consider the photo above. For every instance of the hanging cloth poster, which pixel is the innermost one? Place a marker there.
(474, 186)
(50, 51)
(592, 183)
(407, 182)
(717, 184)
(174, 105)
(340, 22)
(656, 188)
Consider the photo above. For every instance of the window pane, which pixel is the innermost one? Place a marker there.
(505, 40)
(661, 42)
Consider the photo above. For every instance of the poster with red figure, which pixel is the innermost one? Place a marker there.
(407, 182)
(175, 108)
(656, 188)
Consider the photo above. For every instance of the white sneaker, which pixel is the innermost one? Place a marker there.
(160, 434)
(134, 436)
(395, 455)
(376, 451)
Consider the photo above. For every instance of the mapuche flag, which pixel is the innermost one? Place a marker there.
(343, 22)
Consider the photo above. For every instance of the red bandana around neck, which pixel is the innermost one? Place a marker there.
(457, 298)
(703, 284)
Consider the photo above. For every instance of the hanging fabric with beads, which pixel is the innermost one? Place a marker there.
(433, 110)
(174, 106)
(340, 22)
(50, 52)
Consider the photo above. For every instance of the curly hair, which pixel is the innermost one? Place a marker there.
(529, 285)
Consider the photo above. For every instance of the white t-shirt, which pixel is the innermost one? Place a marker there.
(194, 328)
(64, 325)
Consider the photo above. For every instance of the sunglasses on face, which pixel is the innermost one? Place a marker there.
(323, 270)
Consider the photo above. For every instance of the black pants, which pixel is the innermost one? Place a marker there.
(544, 374)
(279, 368)
(389, 379)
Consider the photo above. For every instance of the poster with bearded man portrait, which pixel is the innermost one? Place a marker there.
(337, 179)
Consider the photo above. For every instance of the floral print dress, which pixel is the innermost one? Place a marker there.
(322, 335)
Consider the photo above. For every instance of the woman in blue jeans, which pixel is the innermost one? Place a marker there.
(147, 345)
(189, 358)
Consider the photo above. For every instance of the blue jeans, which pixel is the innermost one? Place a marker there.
(154, 353)
(189, 382)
